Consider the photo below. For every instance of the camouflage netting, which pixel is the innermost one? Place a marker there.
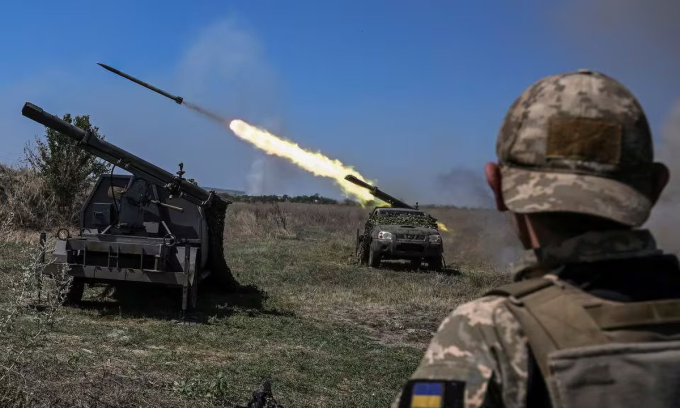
(414, 220)
(216, 213)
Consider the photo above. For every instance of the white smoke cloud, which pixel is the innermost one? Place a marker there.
(464, 187)
(629, 34)
(666, 215)
(226, 70)
(637, 40)
(256, 177)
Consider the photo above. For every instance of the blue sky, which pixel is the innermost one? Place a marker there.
(411, 93)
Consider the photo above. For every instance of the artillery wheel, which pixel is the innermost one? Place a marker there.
(415, 263)
(75, 291)
(435, 264)
(373, 259)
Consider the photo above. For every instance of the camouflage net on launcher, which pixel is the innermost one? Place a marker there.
(216, 213)
(426, 221)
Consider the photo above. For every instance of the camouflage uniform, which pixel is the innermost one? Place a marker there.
(482, 344)
(578, 143)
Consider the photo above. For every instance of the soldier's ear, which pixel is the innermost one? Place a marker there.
(494, 178)
(660, 178)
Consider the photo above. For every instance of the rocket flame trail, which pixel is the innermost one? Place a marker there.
(314, 162)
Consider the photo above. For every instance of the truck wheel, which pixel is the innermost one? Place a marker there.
(373, 259)
(75, 292)
(361, 253)
(435, 264)
(415, 263)
(362, 256)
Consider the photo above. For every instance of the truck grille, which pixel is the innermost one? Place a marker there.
(412, 237)
(409, 247)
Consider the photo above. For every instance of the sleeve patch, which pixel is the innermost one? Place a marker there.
(433, 394)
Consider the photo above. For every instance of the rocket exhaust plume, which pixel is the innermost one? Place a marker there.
(313, 162)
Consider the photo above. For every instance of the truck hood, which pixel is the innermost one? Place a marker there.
(401, 229)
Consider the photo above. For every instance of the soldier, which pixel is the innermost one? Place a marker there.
(593, 319)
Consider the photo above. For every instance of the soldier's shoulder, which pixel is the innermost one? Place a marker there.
(480, 324)
(475, 327)
(483, 311)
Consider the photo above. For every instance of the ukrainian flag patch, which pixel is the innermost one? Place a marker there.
(427, 395)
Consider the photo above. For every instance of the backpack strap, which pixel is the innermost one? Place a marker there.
(628, 315)
(552, 317)
(521, 288)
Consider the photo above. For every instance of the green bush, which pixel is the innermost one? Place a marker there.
(67, 170)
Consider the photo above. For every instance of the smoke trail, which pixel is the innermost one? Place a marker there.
(211, 115)
(314, 162)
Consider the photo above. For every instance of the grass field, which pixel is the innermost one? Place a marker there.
(325, 331)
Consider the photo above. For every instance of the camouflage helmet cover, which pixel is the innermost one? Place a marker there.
(577, 142)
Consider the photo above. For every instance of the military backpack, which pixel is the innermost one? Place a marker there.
(594, 352)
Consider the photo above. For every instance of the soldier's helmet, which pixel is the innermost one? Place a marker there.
(580, 143)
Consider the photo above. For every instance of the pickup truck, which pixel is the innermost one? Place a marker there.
(400, 233)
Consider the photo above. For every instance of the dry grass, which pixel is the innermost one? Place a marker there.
(324, 330)
(26, 199)
(290, 220)
(312, 270)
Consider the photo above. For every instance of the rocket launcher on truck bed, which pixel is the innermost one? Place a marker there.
(379, 194)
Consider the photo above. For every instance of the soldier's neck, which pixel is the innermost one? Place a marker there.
(541, 235)
(542, 229)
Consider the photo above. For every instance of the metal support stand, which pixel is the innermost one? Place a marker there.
(196, 275)
(185, 287)
(43, 240)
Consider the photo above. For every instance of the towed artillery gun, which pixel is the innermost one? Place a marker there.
(400, 231)
(150, 226)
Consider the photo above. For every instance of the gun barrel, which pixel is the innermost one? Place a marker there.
(177, 99)
(377, 193)
(113, 154)
(352, 179)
